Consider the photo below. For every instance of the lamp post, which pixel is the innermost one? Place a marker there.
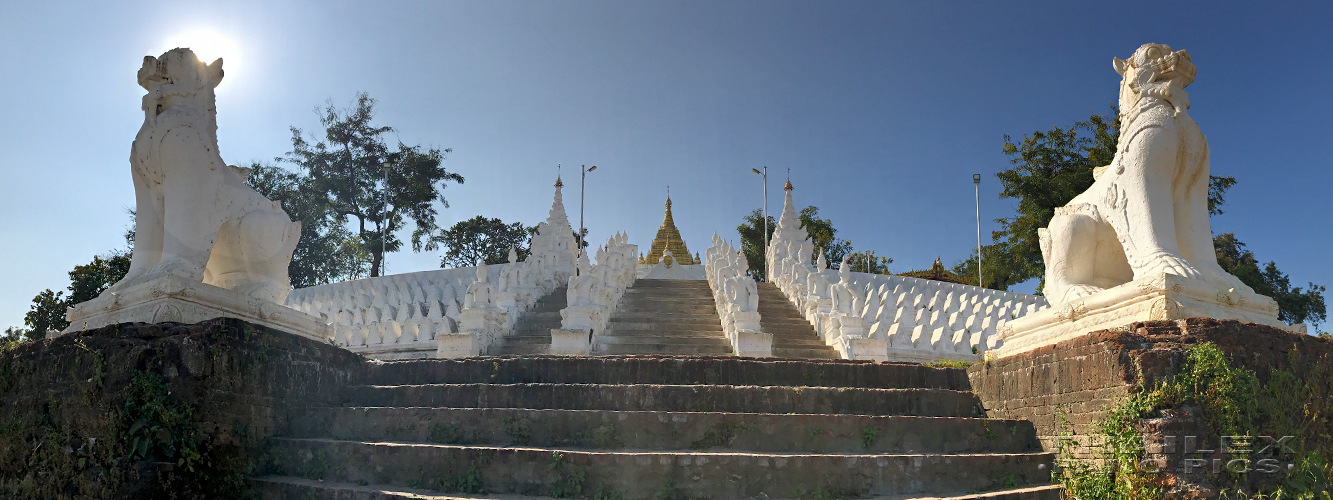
(384, 234)
(976, 182)
(582, 178)
(764, 252)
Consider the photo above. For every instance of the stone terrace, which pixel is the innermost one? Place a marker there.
(646, 426)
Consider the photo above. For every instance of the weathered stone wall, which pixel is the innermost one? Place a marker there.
(242, 382)
(1086, 375)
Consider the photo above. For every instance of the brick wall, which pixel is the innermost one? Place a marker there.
(245, 383)
(1086, 375)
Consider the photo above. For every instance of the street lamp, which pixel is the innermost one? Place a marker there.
(582, 177)
(384, 234)
(976, 182)
(764, 251)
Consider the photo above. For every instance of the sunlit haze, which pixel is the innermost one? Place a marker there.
(208, 44)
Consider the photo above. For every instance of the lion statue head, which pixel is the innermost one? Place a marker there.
(1154, 71)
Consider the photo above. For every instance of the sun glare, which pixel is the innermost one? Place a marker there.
(208, 44)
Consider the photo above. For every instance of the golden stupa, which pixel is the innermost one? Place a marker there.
(668, 238)
(937, 272)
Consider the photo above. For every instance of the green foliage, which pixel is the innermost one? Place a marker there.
(467, 482)
(1049, 169)
(950, 363)
(327, 252)
(1295, 305)
(868, 262)
(46, 313)
(345, 168)
(483, 239)
(669, 491)
(517, 430)
(752, 241)
(134, 429)
(86, 283)
(1233, 402)
(12, 336)
(823, 234)
(824, 492)
(721, 434)
(869, 435)
(1227, 395)
(607, 493)
(566, 483)
(450, 433)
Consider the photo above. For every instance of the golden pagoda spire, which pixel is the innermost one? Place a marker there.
(668, 238)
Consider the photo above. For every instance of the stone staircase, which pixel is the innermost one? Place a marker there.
(532, 332)
(639, 427)
(665, 317)
(793, 337)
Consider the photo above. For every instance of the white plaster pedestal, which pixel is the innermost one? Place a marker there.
(456, 345)
(478, 327)
(577, 318)
(175, 299)
(862, 348)
(753, 344)
(570, 342)
(1159, 297)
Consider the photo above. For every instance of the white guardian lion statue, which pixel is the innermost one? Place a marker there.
(1147, 212)
(196, 219)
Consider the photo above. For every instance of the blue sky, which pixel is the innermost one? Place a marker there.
(882, 110)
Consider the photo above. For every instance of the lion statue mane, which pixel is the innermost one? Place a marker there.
(195, 217)
(1147, 212)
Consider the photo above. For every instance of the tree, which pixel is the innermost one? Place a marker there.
(752, 241)
(346, 170)
(821, 231)
(824, 236)
(86, 283)
(1294, 304)
(868, 262)
(328, 252)
(484, 239)
(14, 334)
(1050, 169)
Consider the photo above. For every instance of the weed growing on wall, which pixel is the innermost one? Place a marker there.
(1231, 401)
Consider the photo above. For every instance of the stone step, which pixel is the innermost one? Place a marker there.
(524, 339)
(651, 397)
(705, 295)
(716, 340)
(665, 326)
(630, 474)
(286, 487)
(648, 430)
(1046, 492)
(794, 352)
(530, 332)
(801, 330)
(681, 319)
(676, 332)
(707, 310)
(793, 336)
(519, 349)
(648, 283)
(808, 342)
(291, 488)
(719, 370)
(663, 348)
(782, 318)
